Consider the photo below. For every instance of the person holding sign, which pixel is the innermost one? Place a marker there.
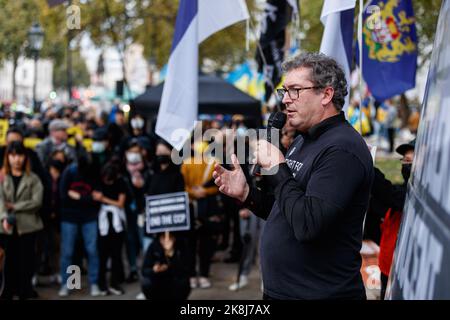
(165, 272)
(167, 177)
(136, 178)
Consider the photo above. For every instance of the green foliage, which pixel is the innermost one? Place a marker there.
(16, 18)
(80, 74)
(392, 169)
(427, 14)
(310, 25)
(119, 23)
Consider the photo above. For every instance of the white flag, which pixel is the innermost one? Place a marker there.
(337, 17)
(196, 21)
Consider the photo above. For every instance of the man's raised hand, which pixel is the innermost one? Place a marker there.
(231, 182)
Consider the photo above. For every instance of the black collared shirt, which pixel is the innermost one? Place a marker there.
(310, 244)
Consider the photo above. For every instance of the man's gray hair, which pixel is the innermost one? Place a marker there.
(325, 72)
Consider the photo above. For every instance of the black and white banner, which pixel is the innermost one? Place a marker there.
(167, 212)
(420, 269)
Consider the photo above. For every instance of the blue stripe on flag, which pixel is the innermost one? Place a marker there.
(347, 33)
(186, 13)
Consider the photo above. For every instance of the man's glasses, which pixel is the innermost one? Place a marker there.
(293, 93)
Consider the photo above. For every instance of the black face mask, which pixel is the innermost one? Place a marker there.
(406, 171)
(165, 159)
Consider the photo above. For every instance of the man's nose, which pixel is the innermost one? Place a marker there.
(286, 99)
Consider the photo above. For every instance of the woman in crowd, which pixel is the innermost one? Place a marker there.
(21, 194)
(80, 204)
(111, 222)
(166, 178)
(137, 178)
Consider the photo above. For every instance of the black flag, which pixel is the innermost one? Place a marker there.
(277, 15)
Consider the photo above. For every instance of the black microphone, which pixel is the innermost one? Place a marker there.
(276, 120)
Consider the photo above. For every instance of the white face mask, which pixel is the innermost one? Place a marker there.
(137, 123)
(98, 147)
(133, 157)
(241, 131)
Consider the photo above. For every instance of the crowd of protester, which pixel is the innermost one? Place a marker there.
(64, 203)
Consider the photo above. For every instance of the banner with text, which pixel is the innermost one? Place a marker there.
(167, 212)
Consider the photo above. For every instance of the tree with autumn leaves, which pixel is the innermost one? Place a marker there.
(151, 23)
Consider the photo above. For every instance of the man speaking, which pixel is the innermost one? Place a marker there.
(311, 241)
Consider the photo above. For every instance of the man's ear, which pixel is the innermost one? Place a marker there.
(328, 94)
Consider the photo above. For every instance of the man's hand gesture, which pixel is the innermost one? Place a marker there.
(231, 182)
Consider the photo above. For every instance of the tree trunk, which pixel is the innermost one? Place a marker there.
(14, 95)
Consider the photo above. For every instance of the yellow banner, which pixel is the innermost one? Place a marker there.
(31, 143)
(4, 125)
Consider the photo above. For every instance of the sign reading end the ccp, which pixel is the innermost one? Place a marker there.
(167, 212)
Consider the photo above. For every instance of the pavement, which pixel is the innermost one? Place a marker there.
(222, 275)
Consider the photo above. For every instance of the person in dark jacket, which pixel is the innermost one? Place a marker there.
(111, 223)
(137, 178)
(80, 198)
(166, 178)
(310, 245)
(165, 272)
(138, 130)
(389, 200)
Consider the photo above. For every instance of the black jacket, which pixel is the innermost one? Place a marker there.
(172, 284)
(384, 195)
(311, 241)
(167, 181)
(78, 211)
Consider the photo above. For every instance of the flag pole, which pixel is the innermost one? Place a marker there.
(360, 36)
(263, 58)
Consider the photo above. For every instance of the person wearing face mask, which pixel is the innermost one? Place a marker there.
(101, 152)
(137, 178)
(138, 131)
(387, 201)
(166, 178)
(80, 202)
(137, 125)
(57, 140)
(112, 223)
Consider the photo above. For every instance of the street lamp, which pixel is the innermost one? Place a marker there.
(36, 40)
